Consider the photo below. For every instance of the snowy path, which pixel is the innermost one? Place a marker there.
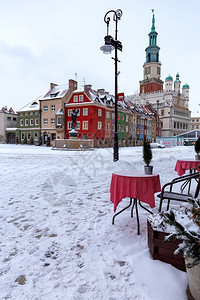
(57, 240)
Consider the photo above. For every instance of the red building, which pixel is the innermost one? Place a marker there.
(93, 120)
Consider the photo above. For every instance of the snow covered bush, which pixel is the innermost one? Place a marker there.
(187, 229)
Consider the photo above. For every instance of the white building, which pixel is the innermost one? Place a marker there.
(172, 103)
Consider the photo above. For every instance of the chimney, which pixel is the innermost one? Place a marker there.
(52, 85)
(101, 91)
(87, 86)
(72, 85)
(11, 110)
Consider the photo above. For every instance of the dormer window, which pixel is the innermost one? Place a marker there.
(53, 95)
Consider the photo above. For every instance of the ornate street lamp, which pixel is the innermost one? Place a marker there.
(110, 45)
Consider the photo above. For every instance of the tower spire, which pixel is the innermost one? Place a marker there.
(153, 22)
(152, 67)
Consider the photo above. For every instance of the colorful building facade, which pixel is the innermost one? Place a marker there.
(29, 124)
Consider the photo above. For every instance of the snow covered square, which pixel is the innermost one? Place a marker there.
(57, 238)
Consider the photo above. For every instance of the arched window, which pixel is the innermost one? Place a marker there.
(149, 57)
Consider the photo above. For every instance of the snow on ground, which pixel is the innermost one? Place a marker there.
(57, 238)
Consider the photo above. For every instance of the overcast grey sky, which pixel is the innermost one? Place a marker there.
(43, 41)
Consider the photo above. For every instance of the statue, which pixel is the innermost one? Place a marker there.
(74, 117)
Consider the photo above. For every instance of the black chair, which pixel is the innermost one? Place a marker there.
(168, 193)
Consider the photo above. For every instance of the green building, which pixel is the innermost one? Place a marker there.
(121, 122)
(29, 124)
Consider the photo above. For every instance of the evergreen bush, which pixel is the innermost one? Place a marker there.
(147, 152)
(190, 237)
(197, 145)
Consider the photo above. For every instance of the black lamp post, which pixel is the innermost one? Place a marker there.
(110, 45)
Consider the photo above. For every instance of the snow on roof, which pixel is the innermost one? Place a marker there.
(104, 98)
(58, 91)
(32, 106)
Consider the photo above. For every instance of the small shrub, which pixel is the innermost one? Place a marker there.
(147, 152)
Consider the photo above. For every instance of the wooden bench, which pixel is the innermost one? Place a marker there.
(168, 193)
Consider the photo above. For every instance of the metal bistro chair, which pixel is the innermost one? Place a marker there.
(168, 193)
(188, 182)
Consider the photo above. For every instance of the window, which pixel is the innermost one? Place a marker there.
(31, 113)
(126, 118)
(53, 136)
(69, 125)
(45, 121)
(26, 122)
(22, 136)
(28, 136)
(126, 128)
(52, 107)
(118, 127)
(35, 136)
(122, 117)
(45, 108)
(130, 130)
(59, 121)
(113, 127)
(21, 122)
(107, 127)
(85, 125)
(158, 70)
(113, 115)
(69, 112)
(147, 70)
(52, 121)
(75, 98)
(36, 121)
(81, 98)
(21, 114)
(197, 126)
(99, 125)
(9, 118)
(99, 112)
(162, 112)
(14, 119)
(197, 120)
(85, 111)
(193, 120)
(107, 115)
(31, 122)
(122, 128)
(77, 124)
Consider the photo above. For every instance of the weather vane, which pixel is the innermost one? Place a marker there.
(152, 10)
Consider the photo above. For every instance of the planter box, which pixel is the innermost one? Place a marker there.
(164, 251)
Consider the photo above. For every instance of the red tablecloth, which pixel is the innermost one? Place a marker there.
(134, 184)
(186, 164)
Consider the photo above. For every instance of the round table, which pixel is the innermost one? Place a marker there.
(186, 164)
(137, 186)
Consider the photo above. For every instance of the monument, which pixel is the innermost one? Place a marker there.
(73, 143)
(73, 132)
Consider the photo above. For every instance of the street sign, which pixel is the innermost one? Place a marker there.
(120, 97)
